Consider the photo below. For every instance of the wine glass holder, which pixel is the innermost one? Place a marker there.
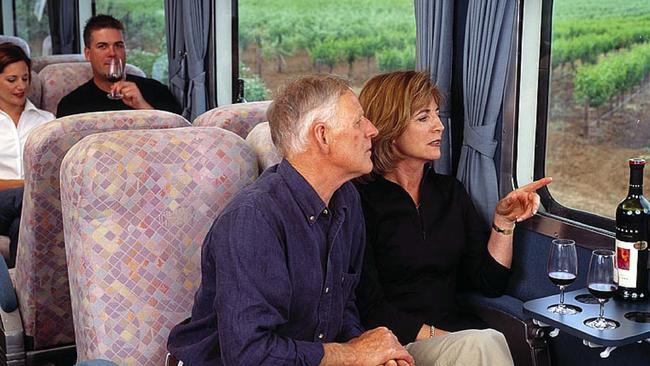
(633, 317)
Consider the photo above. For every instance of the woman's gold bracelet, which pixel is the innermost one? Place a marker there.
(502, 230)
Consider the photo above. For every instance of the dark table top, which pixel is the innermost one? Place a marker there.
(629, 331)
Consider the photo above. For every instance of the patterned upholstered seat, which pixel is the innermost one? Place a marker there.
(238, 118)
(137, 206)
(38, 63)
(59, 80)
(260, 141)
(41, 274)
(35, 90)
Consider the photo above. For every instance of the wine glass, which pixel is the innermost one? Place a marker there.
(114, 74)
(562, 269)
(601, 283)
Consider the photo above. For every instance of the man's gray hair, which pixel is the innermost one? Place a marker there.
(298, 105)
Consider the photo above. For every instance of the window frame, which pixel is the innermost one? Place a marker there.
(553, 206)
(588, 230)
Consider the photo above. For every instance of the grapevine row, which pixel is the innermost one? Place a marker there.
(589, 26)
(588, 47)
(610, 76)
(598, 9)
(336, 34)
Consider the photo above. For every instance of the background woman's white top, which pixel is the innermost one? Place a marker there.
(12, 139)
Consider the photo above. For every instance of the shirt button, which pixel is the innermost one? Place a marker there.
(327, 290)
(320, 336)
(326, 212)
(312, 218)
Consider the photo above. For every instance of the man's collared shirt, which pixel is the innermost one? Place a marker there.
(12, 139)
(279, 269)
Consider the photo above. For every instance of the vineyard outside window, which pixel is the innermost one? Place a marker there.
(357, 39)
(599, 106)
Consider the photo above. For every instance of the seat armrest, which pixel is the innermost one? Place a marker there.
(8, 301)
(13, 335)
(507, 304)
(96, 363)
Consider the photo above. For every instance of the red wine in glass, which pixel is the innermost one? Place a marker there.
(561, 278)
(114, 74)
(562, 269)
(114, 79)
(602, 290)
(602, 285)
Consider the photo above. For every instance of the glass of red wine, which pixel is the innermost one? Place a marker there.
(562, 269)
(114, 74)
(601, 282)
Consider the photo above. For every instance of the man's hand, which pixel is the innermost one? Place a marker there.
(131, 95)
(396, 363)
(374, 347)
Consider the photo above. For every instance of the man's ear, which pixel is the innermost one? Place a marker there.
(86, 53)
(320, 131)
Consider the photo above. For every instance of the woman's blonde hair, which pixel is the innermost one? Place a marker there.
(390, 101)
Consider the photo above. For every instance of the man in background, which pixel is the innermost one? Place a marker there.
(103, 42)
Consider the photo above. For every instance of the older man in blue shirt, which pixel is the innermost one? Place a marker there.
(281, 262)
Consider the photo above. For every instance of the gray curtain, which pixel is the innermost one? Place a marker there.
(175, 49)
(488, 35)
(188, 29)
(434, 22)
(64, 26)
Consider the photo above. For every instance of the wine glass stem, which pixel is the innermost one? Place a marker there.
(602, 308)
(561, 295)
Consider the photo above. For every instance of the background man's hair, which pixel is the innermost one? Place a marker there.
(100, 21)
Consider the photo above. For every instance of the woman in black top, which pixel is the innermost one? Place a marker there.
(425, 239)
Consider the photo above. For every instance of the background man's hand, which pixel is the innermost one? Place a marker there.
(131, 95)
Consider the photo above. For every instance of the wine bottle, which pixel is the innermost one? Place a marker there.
(241, 98)
(632, 220)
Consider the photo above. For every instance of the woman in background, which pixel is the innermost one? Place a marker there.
(18, 116)
(425, 240)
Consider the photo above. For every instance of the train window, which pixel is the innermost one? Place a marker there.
(144, 23)
(32, 25)
(281, 39)
(598, 101)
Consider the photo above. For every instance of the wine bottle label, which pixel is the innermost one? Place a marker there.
(627, 257)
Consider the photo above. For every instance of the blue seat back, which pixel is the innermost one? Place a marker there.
(529, 275)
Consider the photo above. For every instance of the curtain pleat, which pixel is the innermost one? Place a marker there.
(196, 43)
(434, 49)
(487, 45)
(188, 28)
(175, 49)
(64, 27)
